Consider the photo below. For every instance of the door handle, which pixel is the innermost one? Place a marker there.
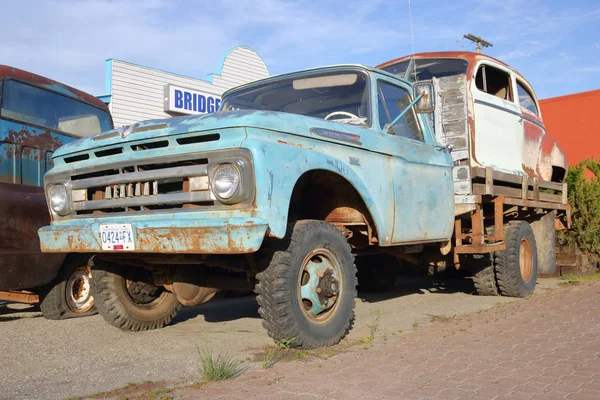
(445, 148)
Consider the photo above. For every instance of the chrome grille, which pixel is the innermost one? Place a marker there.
(142, 187)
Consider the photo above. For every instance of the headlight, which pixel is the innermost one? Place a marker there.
(225, 181)
(59, 199)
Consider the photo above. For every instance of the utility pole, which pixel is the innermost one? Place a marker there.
(479, 41)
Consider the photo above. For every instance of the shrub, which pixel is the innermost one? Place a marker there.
(584, 198)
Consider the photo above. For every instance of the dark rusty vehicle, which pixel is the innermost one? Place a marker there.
(37, 116)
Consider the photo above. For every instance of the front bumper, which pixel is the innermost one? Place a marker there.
(204, 236)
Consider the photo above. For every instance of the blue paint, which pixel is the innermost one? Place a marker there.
(405, 184)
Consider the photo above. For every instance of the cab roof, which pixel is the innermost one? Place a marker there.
(287, 75)
(47, 83)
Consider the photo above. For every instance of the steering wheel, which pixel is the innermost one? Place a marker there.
(344, 113)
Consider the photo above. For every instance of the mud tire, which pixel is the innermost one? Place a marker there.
(376, 274)
(277, 288)
(53, 296)
(507, 264)
(484, 276)
(117, 306)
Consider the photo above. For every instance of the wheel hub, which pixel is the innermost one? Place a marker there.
(319, 284)
(78, 291)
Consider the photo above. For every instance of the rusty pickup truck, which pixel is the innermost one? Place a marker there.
(37, 116)
(299, 182)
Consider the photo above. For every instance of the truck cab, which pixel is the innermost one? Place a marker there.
(37, 116)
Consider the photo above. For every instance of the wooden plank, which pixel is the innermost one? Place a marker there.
(498, 176)
(477, 226)
(551, 185)
(489, 181)
(488, 248)
(480, 188)
(536, 204)
(536, 189)
(565, 197)
(524, 187)
(499, 218)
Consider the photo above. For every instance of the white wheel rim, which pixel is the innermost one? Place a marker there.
(78, 291)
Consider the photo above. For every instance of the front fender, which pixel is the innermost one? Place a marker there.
(281, 159)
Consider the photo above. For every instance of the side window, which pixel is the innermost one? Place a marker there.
(526, 99)
(30, 166)
(392, 100)
(8, 162)
(494, 81)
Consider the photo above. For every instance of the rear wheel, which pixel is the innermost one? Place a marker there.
(307, 291)
(131, 302)
(69, 295)
(516, 267)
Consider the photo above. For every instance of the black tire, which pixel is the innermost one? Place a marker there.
(131, 305)
(508, 264)
(376, 274)
(484, 276)
(286, 313)
(69, 294)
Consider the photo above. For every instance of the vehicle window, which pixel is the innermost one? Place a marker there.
(336, 96)
(7, 163)
(398, 69)
(428, 68)
(526, 99)
(36, 106)
(30, 171)
(494, 81)
(392, 100)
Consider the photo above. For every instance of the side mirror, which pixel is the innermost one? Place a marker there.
(426, 103)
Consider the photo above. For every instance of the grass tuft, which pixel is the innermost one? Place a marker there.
(217, 367)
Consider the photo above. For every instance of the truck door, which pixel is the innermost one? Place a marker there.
(498, 120)
(421, 172)
(533, 127)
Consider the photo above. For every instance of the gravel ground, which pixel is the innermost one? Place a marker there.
(42, 359)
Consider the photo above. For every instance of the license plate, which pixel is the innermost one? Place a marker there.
(117, 237)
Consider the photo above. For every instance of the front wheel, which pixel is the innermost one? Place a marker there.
(307, 291)
(126, 298)
(69, 295)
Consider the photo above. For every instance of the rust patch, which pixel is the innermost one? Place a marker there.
(289, 144)
(32, 140)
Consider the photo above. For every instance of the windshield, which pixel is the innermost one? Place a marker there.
(36, 106)
(336, 96)
(428, 68)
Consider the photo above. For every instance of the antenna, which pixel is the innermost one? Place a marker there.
(412, 36)
(479, 41)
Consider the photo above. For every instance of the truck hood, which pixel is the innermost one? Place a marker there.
(270, 120)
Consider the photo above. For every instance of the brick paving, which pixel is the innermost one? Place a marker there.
(547, 347)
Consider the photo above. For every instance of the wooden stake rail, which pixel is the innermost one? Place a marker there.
(505, 192)
(500, 183)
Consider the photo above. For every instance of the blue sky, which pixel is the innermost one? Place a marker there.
(555, 44)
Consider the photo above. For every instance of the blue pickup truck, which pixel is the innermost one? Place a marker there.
(296, 181)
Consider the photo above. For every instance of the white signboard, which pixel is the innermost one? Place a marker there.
(187, 101)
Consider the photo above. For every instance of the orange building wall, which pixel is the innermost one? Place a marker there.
(574, 121)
